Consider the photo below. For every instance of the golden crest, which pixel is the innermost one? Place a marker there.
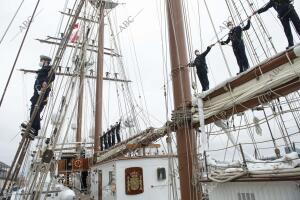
(134, 181)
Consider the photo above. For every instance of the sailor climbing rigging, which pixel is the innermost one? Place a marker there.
(201, 66)
(42, 84)
(238, 46)
(286, 13)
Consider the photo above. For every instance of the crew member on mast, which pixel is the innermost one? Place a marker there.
(101, 142)
(201, 66)
(108, 135)
(104, 136)
(117, 129)
(113, 135)
(42, 84)
(286, 13)
(238, 46)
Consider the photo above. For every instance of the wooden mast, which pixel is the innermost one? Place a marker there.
(80, 107)
(186, 139)
(81, 63)
(99, 81)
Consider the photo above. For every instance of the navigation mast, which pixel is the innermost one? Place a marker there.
(186, 138)
(99, 80)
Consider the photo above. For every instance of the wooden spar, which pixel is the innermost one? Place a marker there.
(80, 18)
(69, 74)
(267, 74)
(99, 82)
(93, 49)
(59, 39)
(186, 145)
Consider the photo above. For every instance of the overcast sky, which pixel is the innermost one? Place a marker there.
(148, 41)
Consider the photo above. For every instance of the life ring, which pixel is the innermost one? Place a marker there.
(78, 163)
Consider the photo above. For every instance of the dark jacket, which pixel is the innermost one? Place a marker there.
(200, 61)
(281, 6)
(43, 75)
(235, 34)
(118, 127)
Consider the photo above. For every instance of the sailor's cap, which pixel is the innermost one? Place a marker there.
(45, 58)
(229, 23)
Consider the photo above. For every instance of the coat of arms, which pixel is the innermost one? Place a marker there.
(134, 181)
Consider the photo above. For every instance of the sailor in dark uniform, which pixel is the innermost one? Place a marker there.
(113, 135)
(42, 84)
(117, 131)
(108, 136)
(238, 46)
(101, 142)
(286, 13)
(201, 66)
(105, 140)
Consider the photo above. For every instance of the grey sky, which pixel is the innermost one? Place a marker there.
(146, 33)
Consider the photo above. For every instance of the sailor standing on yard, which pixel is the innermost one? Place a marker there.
(42, 83)
(238, 46)
(117, 130)
(286, 13)
(201, 66)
